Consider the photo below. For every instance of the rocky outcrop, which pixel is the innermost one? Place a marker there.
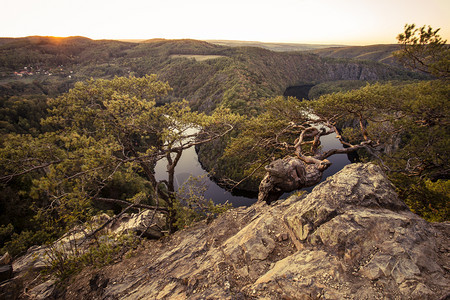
(350, 238)
(28, 267)
(289, 174)
(146, 223)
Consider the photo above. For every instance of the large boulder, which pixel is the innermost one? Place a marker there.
(27, 267)
(146, 223)
(357, 239)
(350, 238)
(289, 174)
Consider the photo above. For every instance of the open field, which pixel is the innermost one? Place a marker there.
(196, 57)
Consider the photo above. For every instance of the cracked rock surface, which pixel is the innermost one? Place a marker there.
(350, 238)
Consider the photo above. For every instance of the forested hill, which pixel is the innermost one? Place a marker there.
(379, 53)
(281, 47)
(205, 74)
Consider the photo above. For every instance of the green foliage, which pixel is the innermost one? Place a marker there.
(22, 114)
(238, 79)
(429, 199)
(67, 259)
(407, 125)
(18, 243)
(6, 232)
(107, 137)
(261, 138)
(335, 86)
(410, 123)
(423, 49)
(125, 185)
(103, 137)
(101, 127)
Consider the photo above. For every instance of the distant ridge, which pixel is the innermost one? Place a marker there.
(132, 40)
(44, 39)
(382, 53)
(280, 47)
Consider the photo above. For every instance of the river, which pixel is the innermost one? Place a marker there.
(189, 165)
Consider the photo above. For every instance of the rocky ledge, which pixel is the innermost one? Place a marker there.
(350, 238)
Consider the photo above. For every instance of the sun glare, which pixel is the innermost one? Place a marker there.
(305, 21)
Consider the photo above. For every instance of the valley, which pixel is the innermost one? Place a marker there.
(230, 74)
(237, 77)
(174, 160)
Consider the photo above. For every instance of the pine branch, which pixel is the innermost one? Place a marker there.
(137, 205)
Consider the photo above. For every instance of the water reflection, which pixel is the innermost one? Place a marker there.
(338, 161)
(189, 165)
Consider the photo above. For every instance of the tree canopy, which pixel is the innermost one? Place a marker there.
(108, 134)
(424, 49)
(403, 127)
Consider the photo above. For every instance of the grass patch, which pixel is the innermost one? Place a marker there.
(196, 57)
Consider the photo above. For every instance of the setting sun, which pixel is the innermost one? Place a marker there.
(303, 21)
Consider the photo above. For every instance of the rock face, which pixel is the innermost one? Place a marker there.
(289, 174)
(146, 223)
(350, 238)
(37, 258)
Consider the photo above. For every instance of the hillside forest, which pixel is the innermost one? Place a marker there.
(83, 123)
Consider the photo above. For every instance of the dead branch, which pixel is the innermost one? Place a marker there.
(7, 178)
(137, 205)
(249, 175)
(353, 148)
(113, 219)
(304, 133)
(203, 141)
(162, 153)
(372, 152)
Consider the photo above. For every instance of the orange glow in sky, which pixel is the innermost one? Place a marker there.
(351, 22)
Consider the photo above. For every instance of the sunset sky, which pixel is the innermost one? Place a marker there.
(351, 22)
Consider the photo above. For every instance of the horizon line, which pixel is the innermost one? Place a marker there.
(138, 40)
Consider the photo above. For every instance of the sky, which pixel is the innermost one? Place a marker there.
(344, 22)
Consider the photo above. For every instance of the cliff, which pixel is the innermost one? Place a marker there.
(380, 53)
(350, 238)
